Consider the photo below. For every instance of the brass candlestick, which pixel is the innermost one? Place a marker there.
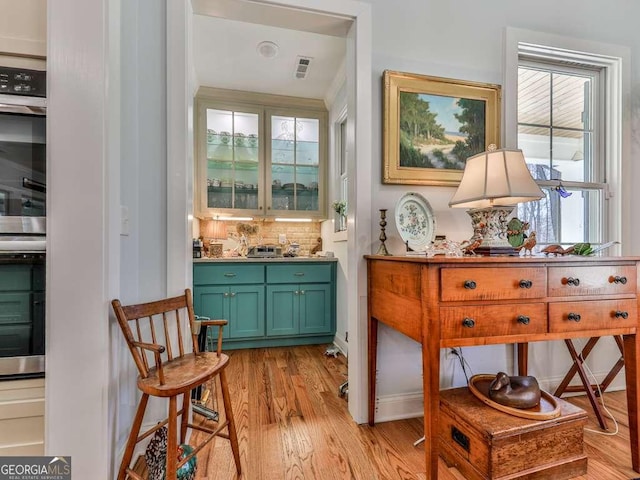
(382, 250)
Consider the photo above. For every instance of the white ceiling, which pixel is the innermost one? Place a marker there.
(225, 56)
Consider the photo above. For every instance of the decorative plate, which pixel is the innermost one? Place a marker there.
(415, 221)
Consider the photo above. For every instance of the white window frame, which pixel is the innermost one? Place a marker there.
(340, 178)
(614, 61)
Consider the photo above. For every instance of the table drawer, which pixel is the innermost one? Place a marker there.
(298, 273)
(227, 274)
(592, 280)
(593, 315)
(493, 320)
(460, 284)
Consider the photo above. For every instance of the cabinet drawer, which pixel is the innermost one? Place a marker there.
(227, 274)
(592, 280)
(593, 315)
(493, 320)
(299, 273)
(460, 284)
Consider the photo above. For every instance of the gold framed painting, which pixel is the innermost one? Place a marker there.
(431, 125)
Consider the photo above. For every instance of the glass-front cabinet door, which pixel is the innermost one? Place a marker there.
(257, 156)
(233, 159)
(294, 156)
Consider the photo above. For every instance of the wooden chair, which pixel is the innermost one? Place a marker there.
(172, 373)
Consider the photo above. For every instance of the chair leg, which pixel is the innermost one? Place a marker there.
(133, 437)
(172, 440)
(233, 438)
(186, 405)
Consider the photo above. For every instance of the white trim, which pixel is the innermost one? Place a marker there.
(179, 147)
(399, 407)
(342, 345)
(336, 84)
(615, 60)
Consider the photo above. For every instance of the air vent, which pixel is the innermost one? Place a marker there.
(302, 66)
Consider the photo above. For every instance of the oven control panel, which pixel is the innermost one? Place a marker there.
(18, 81)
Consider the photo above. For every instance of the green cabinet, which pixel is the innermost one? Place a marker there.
(241, 305)
(299, 309)
(268, 303)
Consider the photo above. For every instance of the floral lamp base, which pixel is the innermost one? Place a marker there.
(491, 225)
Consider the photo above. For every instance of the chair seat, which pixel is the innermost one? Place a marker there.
(183, 374)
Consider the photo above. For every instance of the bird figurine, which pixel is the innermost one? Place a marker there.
(528, 244)
(470, 245)
(556, 250)
(516, 391)
(317, 247)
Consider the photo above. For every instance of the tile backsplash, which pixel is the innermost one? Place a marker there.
(304, 233)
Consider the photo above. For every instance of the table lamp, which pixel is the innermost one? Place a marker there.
(493, 183)
(217, 231)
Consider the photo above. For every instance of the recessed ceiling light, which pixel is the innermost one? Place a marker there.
(267, 49)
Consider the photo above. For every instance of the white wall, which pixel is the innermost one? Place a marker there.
(463, 39)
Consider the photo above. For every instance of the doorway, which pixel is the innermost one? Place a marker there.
(355, 19)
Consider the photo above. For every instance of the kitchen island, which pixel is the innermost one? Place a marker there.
(268, 302)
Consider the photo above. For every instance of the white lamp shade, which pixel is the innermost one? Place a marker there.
(495, 178)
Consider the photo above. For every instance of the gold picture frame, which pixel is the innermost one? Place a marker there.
(442, 122)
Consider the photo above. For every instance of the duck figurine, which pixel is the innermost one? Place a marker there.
(516, 391)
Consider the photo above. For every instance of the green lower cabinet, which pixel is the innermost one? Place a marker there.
(298, 309)
(267, 304)
(241, 305)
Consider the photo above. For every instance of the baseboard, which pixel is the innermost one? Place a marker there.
(342, 345)
(399, 407)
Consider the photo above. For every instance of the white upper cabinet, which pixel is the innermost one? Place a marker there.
(260, 155)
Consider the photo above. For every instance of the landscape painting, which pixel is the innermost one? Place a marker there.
(432, 125)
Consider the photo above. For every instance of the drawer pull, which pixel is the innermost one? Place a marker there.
(301, 292)
(296, 292)
(526, 283)
(226, 294)
(299, 274)
(618, 279)
(523, 319)
(621, 314)
(573, 281)
(229, 274)
(233, 294)
(468, 323)
(469, 284)
(574, 317)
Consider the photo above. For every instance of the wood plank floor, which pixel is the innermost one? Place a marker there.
(292, 425)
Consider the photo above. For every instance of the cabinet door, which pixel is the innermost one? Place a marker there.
(246, 317)
(230, 172)
(296, 167)
(315, 308)
(212, 302)
(283, 308)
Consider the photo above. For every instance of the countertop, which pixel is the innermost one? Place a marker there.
(263, 260)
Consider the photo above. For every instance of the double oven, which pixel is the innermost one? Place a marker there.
(23, 174)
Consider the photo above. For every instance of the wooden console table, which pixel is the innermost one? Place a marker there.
(448, 302)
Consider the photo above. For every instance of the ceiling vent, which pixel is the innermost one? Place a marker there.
(302, 66)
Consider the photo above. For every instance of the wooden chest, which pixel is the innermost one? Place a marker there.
(484, 443)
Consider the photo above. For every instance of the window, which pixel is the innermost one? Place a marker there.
(560, 117)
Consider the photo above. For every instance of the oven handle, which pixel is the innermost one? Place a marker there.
(23, 104)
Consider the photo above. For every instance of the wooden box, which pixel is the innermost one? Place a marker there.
(484, 443)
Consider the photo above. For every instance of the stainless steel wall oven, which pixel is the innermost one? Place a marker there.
(23, 174)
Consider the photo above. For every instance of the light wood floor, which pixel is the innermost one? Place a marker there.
(292, 424)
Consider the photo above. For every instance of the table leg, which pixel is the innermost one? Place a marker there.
(373, 365)
(431, 389)
(632, 374)
(523, 358)
(578, 361)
